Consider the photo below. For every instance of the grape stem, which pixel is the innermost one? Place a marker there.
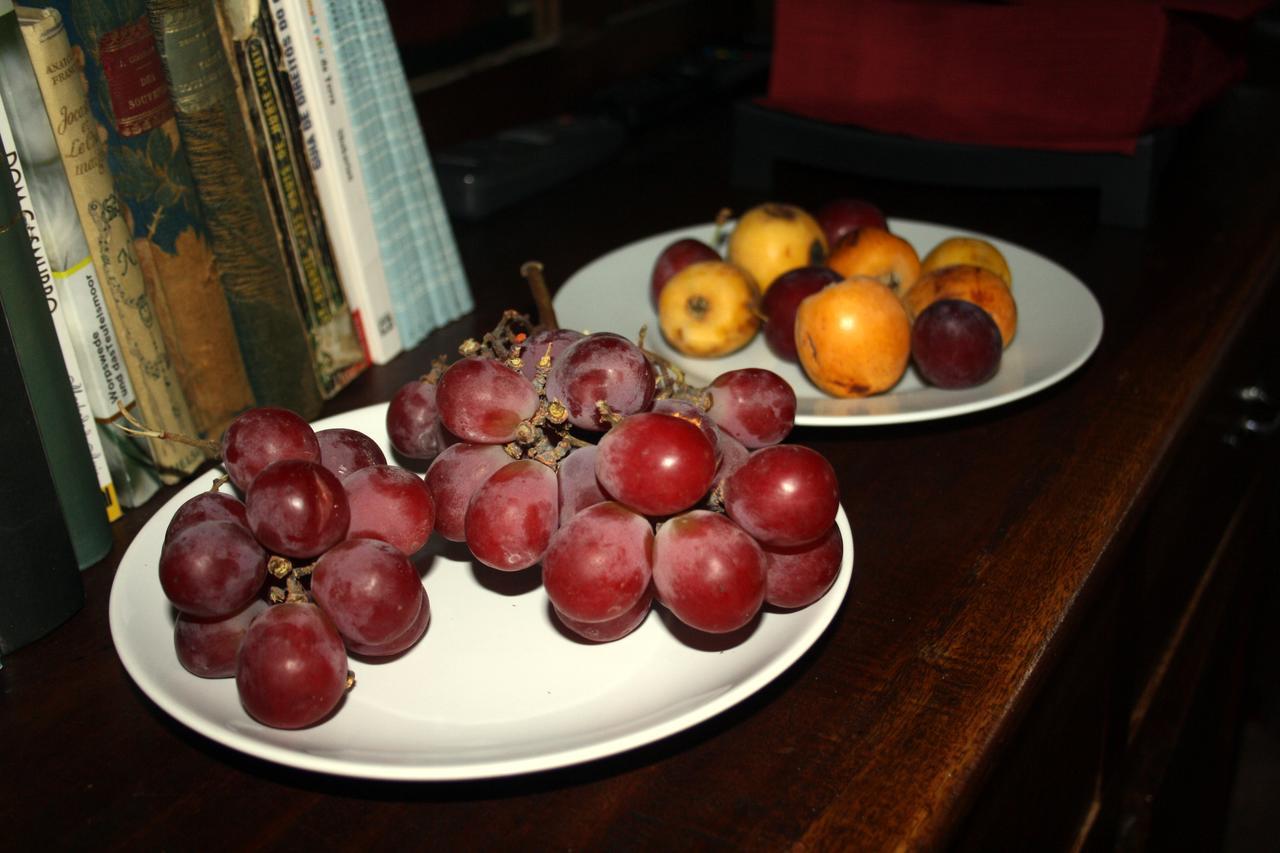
(671, 380)
(207, 446)
(532, 272)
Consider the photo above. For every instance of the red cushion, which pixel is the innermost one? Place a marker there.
(1076, 76)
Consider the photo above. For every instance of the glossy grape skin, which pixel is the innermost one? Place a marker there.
(368, 588)
(345, 450)
(453, 478)
(674, 257)
(601, 366)
(754, 405)
(708, 571)
(579, 488)
(292, 668)
(412, 635)
(692, 413)
(392, 504)
(599, 563)
(512, 516)
(264, 435)
(482, 400)
(656, 464)
(209, 647)
(297, 508)
(800, 575)
(413, 421)
(207, 506)
(783, 495)
(535, 347)
(956, 344)
(615, 628)
(212, 569)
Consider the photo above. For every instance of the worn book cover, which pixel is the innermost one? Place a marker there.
(272, 130)
(129, 98)
(161, 400)
(231, 192)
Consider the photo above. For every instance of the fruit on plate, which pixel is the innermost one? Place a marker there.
(675, 257)
(972, 251)
(772, 238)
(841, 215)
(853, 337)
(955, 344)
(877, 253)
(709, 309)
(779, 306)
(971, 284)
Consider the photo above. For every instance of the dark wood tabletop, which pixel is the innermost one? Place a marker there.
(1011, 565)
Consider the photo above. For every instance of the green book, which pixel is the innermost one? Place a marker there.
(34, 348)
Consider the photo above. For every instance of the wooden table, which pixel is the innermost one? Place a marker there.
(1042, 642)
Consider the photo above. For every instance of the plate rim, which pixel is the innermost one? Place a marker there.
(131, 564)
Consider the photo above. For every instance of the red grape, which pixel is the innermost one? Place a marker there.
(512, 515)
(413, 421)
(368, 588)
(615, 628)
(297, 508)
(264, 435)
(601, 367)
(708, 571)
(692, 413)
(209, 647)
(783, 495)
(579, 487)
(599, 563)
(537, 344)
(394, 647)
(292, 669)
(484, 401)
(345, 450)
(212, 569)
(732, 455)
(799, 575)
(754, 405)
(453, 478)
(390, 503)
(655, 464)
(207, 506)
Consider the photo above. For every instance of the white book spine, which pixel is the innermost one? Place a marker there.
(75, 376)
(301, 30)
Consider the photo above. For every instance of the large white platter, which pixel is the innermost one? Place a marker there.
(494, 688)
(1059, 326)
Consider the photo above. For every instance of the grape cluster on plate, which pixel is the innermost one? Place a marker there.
(582, 453)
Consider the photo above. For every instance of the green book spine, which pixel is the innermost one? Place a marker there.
(242, 234)
(272, 127)
(44, 375)
(130, 99)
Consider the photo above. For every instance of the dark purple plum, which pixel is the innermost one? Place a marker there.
(955, 344)
(781, 301)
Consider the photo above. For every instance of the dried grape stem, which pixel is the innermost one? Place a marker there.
(532, 272)
(207, 446)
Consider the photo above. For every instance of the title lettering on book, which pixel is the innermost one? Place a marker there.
(29, 217)
(134, 72)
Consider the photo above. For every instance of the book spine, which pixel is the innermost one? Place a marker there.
(49, 255)
(242, 234)
(24, 290)
(413, 161)
(130, 99)
(339, 184)
(160, 399)
(270, 126)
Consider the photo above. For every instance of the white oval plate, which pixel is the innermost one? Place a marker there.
(1059, 326)
(494, 688)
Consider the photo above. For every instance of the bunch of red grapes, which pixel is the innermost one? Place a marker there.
(582, 453)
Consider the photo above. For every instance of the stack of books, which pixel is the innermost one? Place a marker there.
(229, 203)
